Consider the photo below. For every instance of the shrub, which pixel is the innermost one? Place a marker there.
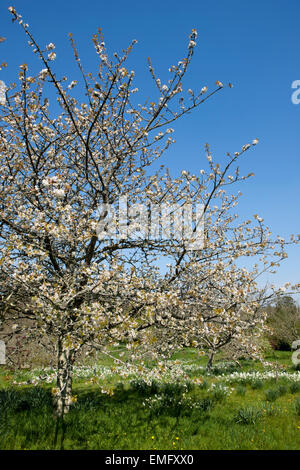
(89, 402)
(175, 389)
(33, 398)
(282, 390)
(269, 410)
(119, 387)
(143, 388)
(295, 387)
(7, 399)
(247, 415)
(203, 385)
(297, 406)
(204, 404)
(176, 405)
(241, 390)
(272, 394)
(165, 404)
(257, 384)
(219, 392)
(223, 367)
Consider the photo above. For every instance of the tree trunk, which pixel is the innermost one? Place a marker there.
(210, 361)
(63, 397)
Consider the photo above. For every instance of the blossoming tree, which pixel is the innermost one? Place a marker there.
(216, 306)
(224, 310)
(60, 174)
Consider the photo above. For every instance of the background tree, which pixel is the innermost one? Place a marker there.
(284, 322)
(217, 307)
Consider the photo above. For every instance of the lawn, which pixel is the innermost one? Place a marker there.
(175, 405)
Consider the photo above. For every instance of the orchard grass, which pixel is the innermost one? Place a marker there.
(217, 412)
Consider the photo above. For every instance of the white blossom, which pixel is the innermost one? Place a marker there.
(52, 56)
(60, 193)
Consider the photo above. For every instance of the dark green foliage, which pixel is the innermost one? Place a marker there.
(241, 390)
(223, 367)
(143, 388)
(25, 400)
(272, 394)
(284, 320)
(247, 415)
(297, 406)
(295, 387)
(257, 384)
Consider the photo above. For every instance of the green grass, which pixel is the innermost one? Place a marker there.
(221, 415)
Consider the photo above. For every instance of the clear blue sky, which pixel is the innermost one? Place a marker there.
(253, 44)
